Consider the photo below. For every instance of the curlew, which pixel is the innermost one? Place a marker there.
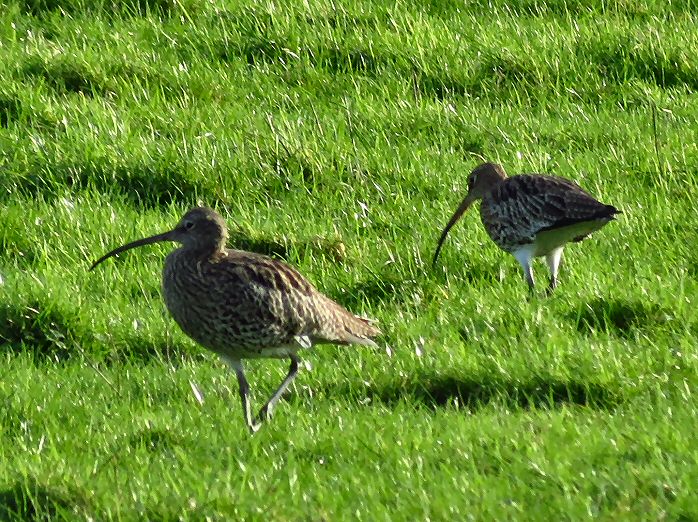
(531, 215)
(243, 305)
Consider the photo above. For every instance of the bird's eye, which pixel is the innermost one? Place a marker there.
(188, 225)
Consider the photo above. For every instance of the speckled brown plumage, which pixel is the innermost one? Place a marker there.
(531, 215)
(247, 305)
(243, 305)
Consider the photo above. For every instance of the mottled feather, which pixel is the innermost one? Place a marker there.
(243, 304)
(530, 215)
(520, 207)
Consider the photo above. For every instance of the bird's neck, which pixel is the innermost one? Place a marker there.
(495, 183)
(485, 192)
(205, 253)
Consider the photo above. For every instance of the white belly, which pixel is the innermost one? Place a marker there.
(547, 241)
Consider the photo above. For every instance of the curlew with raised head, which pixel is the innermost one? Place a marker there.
(531, 215)
(243, 305)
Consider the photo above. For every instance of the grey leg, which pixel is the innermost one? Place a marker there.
(553, 259)
(524, 257)
(236, 365)
(265, 412)
(528, 274)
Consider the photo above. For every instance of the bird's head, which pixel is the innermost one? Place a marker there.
(481, 181)
(201, 230)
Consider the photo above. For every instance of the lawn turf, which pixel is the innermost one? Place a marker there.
(339, 138)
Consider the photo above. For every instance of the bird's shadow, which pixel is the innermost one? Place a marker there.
(472, 394)
(471, 273)
(328, 247)
(382, 288)
(53, 334)
(390, 288)
(268, 247)
(618, 317)
(45, 331)
(30, 500)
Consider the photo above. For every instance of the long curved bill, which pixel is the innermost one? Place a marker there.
(166, 236)
(467, 201)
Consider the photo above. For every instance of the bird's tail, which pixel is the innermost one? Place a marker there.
(348, 328)
(611, 211)
(361, 330)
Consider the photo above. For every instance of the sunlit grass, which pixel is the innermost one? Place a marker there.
(339, 139)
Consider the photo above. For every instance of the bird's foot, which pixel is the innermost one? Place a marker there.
(254, 426)
(531, 294)
(551, 287)
(264, 414)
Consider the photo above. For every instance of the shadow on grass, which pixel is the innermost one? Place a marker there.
(164, 8)
(66, 77)
(471, 273)
(144, 184)
(34, 501)
(622, 58)
(10, 110)
(268, 247)
(389, 288)
(42, 329)
(149, 185)
(383, 288)
(140, 349)
(153, 440)
(15, 111)
(438, 391)
(692, 268)
(50, 334)
(617, 317)
(493, 74)
(331, 248)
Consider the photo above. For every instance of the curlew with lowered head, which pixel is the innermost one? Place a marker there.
(531, 215)
(243, 305)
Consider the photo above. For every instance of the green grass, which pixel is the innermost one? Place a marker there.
(339, 138)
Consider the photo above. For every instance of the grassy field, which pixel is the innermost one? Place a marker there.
(339, 138)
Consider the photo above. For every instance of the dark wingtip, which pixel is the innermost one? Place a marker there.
(613, 210)
(606, 212)
(609, 212)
